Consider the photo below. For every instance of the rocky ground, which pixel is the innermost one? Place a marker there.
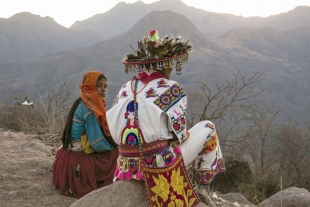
(26, 176)
(25, 171)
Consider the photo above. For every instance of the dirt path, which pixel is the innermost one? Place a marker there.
(25, 171)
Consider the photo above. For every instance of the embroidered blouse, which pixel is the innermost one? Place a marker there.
(161, 110)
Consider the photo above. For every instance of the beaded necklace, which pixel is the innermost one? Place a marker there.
(137, 121)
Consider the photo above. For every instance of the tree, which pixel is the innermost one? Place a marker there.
(293, 155)
(55, 102)
(245, 125)
(223, 104)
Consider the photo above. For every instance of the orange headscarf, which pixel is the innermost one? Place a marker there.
(93, 100)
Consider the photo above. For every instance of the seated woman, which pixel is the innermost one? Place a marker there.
(87, 159)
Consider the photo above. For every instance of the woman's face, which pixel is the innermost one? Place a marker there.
(102, 87)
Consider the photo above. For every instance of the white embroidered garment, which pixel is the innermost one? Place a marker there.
(161, 107)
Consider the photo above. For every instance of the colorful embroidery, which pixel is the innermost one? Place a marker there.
(169, 97)
(162, 84)
(176, 112)
(130, 136)
(209, 125)
(200, 163)
(170, 186)
(133, 165)
(179, 124)
(151, 93)
(131, 132)
(124, 94)
(130, 164)
(116, 99)
(205, 177)
(210, 145)
(150, 161)
(167, 157)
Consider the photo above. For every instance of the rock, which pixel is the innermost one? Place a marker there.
(235, 197)
(291, 197)
(122, 193)
(38, 172)
(37, 146)
(36, 162)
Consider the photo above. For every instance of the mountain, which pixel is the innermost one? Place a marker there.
(214, 60)
(300, 34)
(25, 37)
(126, 15)
(270, 43)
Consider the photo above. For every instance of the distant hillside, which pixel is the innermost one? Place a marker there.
(206, 22)
(300, 34)
(270, 43)
(213, 61)
(25, 37)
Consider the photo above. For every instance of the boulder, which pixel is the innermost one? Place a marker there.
(235, 198)
(291, 197)
(122, 193)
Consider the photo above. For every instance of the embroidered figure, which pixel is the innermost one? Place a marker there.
(151, 93)
(124, 94)
(162, 84)
(131, 131)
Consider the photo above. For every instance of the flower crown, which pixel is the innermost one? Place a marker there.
(154, 54)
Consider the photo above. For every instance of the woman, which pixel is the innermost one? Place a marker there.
(87, 159)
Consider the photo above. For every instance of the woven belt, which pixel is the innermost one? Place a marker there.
(147, 149)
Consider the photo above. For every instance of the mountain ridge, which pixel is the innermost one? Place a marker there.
(25, 37)
(214, 60)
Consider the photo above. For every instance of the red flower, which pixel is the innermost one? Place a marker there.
(152, 32)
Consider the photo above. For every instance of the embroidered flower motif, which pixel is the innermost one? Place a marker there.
(176, 203)
(176, 126)
(162, 187)
(177, 182)
(182, 120)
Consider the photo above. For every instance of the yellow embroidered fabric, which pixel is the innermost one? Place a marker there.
(170, 186)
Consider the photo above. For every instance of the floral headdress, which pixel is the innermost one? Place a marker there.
(155, 54)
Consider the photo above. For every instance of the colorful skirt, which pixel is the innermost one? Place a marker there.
(76, 173)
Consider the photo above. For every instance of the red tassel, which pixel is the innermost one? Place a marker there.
(122, 176)
(116, 173)
(177, 150)
(128, 175)
(139, 176)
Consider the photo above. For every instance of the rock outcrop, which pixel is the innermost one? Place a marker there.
(290, 197)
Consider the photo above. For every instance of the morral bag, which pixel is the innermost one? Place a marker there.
(170, 186)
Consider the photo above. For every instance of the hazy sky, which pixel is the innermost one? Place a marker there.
(66, 12)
